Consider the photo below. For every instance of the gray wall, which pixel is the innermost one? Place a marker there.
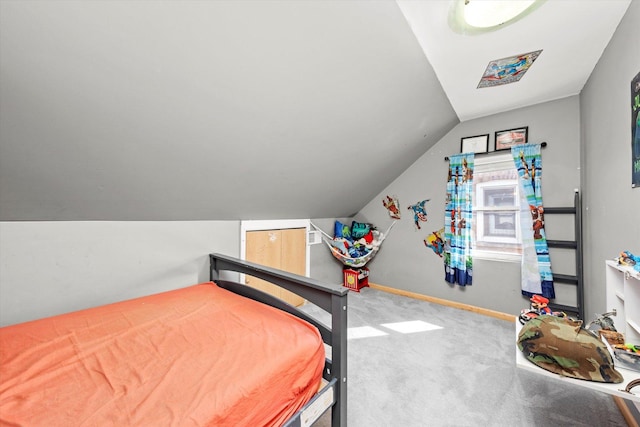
(53, 267)
(405, 263)
(589, 148)
(612, 207)
(48, 268)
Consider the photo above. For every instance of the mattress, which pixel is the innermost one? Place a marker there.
(198, 356)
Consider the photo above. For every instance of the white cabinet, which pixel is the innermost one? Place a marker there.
(623, 295)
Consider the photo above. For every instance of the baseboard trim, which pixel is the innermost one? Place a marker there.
(484, 311)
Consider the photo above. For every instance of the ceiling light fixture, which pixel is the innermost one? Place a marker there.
(485, 14)
(480, 16)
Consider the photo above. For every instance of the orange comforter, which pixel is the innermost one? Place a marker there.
(199, 356)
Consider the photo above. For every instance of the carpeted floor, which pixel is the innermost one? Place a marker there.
(432, 365)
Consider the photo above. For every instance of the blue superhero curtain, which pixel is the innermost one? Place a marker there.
(458, 264)
(537, 277)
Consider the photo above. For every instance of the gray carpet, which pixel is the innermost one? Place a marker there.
(463, 374)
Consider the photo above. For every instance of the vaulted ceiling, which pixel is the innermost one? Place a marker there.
(572, 34)
(187, 110)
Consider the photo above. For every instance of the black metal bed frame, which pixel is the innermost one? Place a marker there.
(331, 298)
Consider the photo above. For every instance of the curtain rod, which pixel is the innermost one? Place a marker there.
(542, 144)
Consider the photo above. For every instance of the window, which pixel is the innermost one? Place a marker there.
(496, 212)
(496, 209)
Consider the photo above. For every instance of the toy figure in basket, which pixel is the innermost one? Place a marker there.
(357, 240)
(355, 248)
(356, 245)
(629, 259)
(627, 355)
(603, 322)
(603, 326)
(539, 306)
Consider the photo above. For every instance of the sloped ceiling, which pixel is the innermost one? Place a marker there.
(572, 35)
(188, 110)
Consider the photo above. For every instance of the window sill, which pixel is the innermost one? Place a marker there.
(496, 256)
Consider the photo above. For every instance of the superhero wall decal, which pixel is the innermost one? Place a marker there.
(435, 240)
(393, 206)
(419, 212)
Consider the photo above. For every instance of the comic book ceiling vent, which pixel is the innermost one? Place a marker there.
(470, 17)
(507, 70)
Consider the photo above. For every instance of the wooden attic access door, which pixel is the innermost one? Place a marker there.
(284, 248)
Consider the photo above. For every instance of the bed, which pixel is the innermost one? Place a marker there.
(217, 353)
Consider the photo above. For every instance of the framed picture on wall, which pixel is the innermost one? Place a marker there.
(505, 139)
(475, 144)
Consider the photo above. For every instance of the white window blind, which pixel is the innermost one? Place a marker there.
(496, 209)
